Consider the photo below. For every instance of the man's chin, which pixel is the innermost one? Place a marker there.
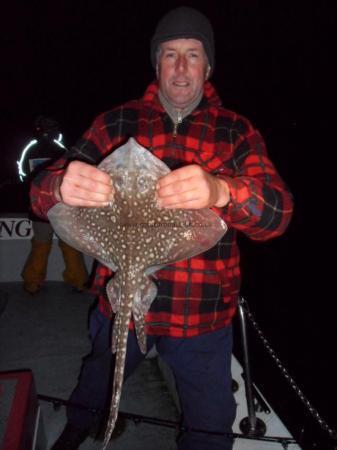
(181, 102)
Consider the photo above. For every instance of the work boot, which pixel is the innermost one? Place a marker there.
(35, 268)
(70, 439)
(75, 272)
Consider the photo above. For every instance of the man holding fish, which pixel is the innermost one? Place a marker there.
(218, 160)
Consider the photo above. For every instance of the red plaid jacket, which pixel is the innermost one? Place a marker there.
(199, 294)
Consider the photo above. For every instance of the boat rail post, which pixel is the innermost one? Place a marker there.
(251, 425)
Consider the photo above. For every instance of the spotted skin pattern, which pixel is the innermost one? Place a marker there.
(134, 237)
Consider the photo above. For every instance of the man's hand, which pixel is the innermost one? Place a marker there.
(85, 185)
(190, 187)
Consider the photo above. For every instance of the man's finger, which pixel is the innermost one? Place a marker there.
(178, 198)
(177, 175)
(175, 187)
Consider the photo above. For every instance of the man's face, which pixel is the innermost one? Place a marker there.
(181, 70)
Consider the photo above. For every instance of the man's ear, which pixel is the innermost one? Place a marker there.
(157, 71)
(208, 71)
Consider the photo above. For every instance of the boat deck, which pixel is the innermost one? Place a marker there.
(47, 333)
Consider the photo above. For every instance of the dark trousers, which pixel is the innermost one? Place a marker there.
(201, 367)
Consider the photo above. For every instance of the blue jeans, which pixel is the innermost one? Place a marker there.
(201, 367)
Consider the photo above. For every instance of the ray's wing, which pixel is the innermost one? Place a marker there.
(188, 233)
(86, 229)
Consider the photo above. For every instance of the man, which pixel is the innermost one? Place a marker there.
(218, 160)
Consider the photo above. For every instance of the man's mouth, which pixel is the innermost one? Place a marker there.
(180, 84)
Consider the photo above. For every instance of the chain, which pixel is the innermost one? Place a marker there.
(136, 418)
(314, 413)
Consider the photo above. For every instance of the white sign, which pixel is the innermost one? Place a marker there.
(15, 228)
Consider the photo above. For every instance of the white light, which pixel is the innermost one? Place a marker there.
(59, 143)
(22, 174)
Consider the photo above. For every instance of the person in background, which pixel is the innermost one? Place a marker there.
(41, 151)
(218, 160)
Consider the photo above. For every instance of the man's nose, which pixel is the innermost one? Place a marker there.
(181, 65)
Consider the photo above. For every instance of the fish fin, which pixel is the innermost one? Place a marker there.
(141, 304)
(145, 296)
(113, 290)
(139, 320)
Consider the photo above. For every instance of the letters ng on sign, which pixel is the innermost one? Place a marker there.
(15, 228)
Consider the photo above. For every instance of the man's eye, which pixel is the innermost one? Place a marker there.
(170, 55)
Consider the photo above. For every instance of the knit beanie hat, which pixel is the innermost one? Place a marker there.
(184, 23)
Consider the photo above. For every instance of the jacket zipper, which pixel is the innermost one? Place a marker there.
(175, 128)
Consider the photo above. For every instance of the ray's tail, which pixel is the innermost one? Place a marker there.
(119, 345)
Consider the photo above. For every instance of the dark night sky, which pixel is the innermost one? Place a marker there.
(73, 60)
(76, 59)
